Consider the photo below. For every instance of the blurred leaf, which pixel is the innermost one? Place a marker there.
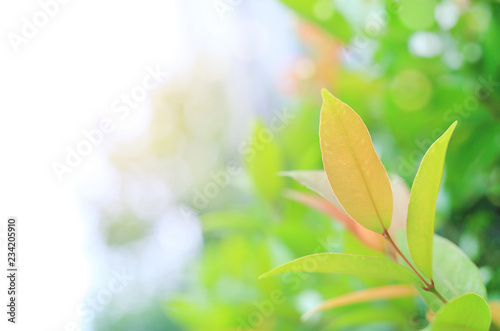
(372, 294)
(417, 15)
(316, 181)
(401, 195)
(264, 161)
(369, 238)
(422, 207)
(230, 220)
(467, 312)
(347, 264)
(125, 229)
(324, 206)
(323, 14)
(454, 274)
(369, 317)
(354, 170)
(495, 312)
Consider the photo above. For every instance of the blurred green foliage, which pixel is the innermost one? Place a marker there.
(250, 238)
(409, 97)
(408, 91)
(409, 68)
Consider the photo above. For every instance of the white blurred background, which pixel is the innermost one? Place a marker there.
(65, 79)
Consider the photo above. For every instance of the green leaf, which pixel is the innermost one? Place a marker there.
(323, 14)
(467, 312)
(348, 264)
(422, 207)
(356, 174)
(316, 181)
(454, 274)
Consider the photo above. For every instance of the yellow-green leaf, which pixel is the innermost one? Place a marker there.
(348, 264)
(422, 207)
(454, 274)
(371, 294)
(495, 312)
(467, 312)
(355, 172)
(317, 181)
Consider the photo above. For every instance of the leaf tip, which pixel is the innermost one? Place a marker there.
(324, 93)
(327, 96)
(453, 125)
(450, 130)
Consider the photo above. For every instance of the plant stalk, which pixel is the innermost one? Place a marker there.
(432, 289)
(428, 286)
(389, 239)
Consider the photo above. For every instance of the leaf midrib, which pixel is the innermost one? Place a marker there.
(359, 167)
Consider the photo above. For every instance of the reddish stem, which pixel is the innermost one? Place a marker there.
(389, 239)
(428, 286)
